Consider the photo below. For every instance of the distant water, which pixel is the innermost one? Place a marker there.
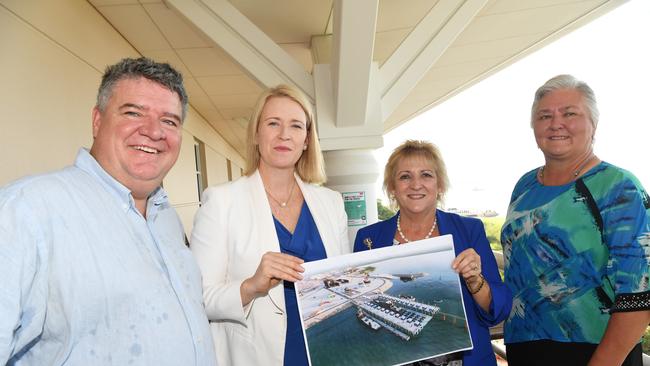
(343, 340)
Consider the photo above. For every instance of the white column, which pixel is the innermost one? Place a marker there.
(354, 173)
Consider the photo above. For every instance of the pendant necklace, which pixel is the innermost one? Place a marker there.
(575, 172)
(277, 201)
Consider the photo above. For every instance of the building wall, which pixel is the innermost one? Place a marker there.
(52, 56)
(217, 166)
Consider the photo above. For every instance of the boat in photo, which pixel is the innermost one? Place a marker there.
(367, 320)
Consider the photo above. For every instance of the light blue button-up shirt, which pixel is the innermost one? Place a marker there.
(85, 279)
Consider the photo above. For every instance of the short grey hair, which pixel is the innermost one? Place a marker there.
(130, 68)
(567, 82)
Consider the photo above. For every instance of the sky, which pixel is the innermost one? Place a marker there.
(484, 132)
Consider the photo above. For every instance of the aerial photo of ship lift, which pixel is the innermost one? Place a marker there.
(327, 294)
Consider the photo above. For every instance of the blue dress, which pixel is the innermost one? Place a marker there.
(305, 243)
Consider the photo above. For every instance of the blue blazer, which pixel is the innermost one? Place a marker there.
(468, 233)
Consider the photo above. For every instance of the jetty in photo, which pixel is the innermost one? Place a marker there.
(404, 317)
(328, 294)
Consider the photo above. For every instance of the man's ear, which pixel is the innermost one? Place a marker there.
(97, 120)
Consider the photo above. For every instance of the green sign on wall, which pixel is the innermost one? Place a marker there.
(355, 207)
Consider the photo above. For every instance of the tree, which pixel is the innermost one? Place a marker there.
(384, 212)
(493, 231)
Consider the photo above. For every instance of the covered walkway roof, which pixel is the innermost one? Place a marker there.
(368, 65)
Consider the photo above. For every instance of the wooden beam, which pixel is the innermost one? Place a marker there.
(251, 48)
(422, 48)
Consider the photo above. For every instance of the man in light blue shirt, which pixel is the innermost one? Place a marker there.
(93, 265)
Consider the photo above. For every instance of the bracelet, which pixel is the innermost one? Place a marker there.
(480, 285)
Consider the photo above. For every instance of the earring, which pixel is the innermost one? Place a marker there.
(304, 147)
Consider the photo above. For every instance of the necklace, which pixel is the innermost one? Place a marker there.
(399, 229)
(280, 203)
(575, 172)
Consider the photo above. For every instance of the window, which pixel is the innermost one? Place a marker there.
(201, 173)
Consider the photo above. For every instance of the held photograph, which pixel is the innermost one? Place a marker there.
(388, 306)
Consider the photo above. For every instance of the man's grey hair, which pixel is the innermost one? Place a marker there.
(133, 68)
(567, 82)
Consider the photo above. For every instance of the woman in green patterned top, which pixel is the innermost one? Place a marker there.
(577, 244)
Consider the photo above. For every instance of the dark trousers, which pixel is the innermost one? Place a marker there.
(544, 353)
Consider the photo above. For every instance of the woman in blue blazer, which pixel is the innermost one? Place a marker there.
(416, 179)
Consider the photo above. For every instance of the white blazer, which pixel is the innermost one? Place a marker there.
(232, 230)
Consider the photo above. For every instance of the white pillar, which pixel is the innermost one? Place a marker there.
(354, 173)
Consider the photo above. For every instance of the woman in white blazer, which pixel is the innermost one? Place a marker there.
(251, 236)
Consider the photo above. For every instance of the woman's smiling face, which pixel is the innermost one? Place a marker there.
(416, 185)
(562, 125)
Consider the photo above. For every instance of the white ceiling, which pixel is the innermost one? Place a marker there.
(224, 93)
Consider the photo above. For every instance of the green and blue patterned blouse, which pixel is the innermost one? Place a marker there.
(576, 253)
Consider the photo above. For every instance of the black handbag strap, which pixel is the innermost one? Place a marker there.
(586, 196)
(584, 192)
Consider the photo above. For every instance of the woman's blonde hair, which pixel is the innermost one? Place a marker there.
(416, 148)
(310, 166)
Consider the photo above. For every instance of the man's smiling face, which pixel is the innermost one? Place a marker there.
(138, 134)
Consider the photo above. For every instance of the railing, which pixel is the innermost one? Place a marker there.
(501, 350)
(499, 257)
(496, 332)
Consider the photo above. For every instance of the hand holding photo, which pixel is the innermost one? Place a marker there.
(388, 306)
